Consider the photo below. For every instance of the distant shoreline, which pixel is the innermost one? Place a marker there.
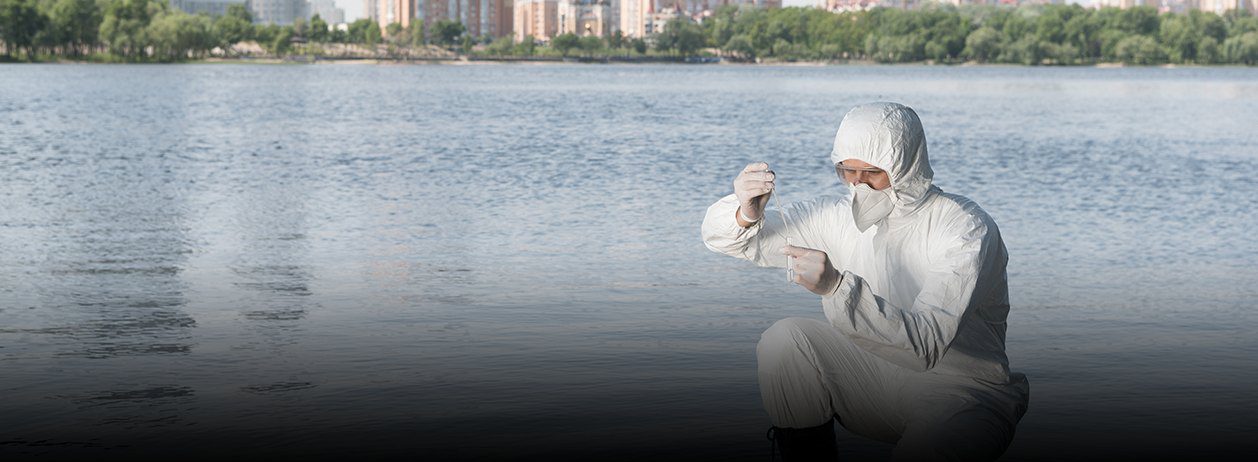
(468, 61)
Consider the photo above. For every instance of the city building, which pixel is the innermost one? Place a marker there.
(1179, 6)
(654, 22)
(536, 18)
(480, 17)
(396, 11)
(327, 10)
(587, 17)
(632, 13)
(282, 12)
(1223, 6)
(506, 18)
(642, 18)
(210, 7)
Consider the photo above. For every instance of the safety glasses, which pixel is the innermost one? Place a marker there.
(855, 174)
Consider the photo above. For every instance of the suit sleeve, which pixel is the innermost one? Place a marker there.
(761, 243)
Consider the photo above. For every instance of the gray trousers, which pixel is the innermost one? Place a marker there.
(810, 372)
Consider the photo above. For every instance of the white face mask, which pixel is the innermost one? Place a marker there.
(869, 205)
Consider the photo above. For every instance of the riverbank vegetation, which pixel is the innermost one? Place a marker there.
(153, 31)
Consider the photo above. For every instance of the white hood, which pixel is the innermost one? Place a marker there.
(888, 136)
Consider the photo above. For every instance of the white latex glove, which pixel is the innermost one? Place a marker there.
(753, 186)
(812, 269)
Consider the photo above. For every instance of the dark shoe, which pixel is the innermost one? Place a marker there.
(804, 444)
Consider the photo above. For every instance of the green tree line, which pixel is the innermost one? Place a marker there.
(1032, 35)
(151, 30)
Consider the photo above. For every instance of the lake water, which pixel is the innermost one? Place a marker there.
(503, 261)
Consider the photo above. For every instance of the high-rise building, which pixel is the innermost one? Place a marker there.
(327, 10)
(1131, 3)
(397, 11)
(850, 5)
(505, 18)
(1223, 6)
(479, 17)
(210, 7)
(586, 17)
(655, 22)
(631, 14)
(282, 12)
(536, 18)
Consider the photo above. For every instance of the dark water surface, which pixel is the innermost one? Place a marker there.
(504, 261)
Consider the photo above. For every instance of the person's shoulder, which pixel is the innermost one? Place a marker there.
(959, 211)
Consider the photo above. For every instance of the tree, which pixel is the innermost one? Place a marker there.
(77, 24)
(565, 43)
(239, 11)
(1140, 20)
(680, 35)
(417, 34)
(20, 21)
(721, 26)
(1242, 49)
(616, 40)
(300, 28)
(1082, 31)
(337, 35)
(1208, 51)
(371, 34)
(283, 41)
(526, 46)
(265, 34)
(1060, 53)
(590, 44)
(176, 36)
(318, 29)
(1138, 49)
(357, 30)
(1028, 51)
(503, 46)
(1179, 38)
(983, 45)
(125, 23)
(740, 46)
(638, 45)
(690, 38)
(446, 32)
(232, 28)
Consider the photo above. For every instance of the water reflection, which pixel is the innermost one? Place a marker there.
(278, 387)
(269, 266)
(112, 271)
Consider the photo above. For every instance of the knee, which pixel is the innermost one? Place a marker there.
(785, 337)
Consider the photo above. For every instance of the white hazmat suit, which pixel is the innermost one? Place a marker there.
(914, 350)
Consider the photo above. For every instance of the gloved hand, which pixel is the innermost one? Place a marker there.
(812, 269)
(753, 187)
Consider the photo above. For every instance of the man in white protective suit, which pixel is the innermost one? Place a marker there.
(912, 283)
